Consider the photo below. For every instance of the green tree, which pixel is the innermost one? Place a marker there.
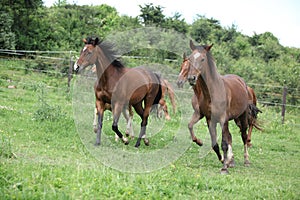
(7, 36)
(206, 30)
(266, 46)
(21, 12)
(176, 24)
(152, 15)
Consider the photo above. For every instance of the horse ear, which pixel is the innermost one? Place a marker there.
(192, 46)
(209, 47)
(184, 56)
(96, 41)
(84, 41)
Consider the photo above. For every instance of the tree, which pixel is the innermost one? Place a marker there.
(7, 36)
(266, 46)
(152, 15)
(206, 30)
(176, 24)
(21, 12)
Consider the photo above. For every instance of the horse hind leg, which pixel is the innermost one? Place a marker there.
(116, 115)
(163, 106)
(249, 144)
(144, 114)
(244, 135)
(95, 123)
(127, 113)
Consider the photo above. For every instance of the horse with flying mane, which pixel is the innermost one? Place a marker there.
(120, 86)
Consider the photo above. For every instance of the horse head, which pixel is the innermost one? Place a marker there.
(184, 69)
(87, 55)
(198, 61)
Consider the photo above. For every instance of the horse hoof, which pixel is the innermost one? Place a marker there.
(125, 140)
(95, 129)
(231, 164)
(224, 171)
(146, 141)
(136, 145)
(247, 163)
(199, 142)
(97, 144)
(249, 144)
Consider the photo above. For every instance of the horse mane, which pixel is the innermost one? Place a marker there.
(109, 51)
(211, 60)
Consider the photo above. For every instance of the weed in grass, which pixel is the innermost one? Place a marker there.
(45, 111)
(5, 146)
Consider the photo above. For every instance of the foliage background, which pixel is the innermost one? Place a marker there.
(29, 25)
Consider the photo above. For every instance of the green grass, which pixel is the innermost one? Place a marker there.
(45, 158)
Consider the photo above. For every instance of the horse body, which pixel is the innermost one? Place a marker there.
(120, 86)
(220, 99)
(199, 113)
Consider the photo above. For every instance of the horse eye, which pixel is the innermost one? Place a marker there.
(202, 60)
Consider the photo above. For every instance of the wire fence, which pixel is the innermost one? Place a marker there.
(60, 63)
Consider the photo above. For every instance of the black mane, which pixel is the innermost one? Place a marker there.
(108, 49)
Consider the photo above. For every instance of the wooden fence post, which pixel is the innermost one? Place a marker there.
(70, 72)
(283, 104)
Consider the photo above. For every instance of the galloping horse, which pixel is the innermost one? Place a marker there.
(127, 113)
(220, 99)
(120, 86)
(252, 117)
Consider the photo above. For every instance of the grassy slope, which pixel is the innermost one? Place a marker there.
(46, 159)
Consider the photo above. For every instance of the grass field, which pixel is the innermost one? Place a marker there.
(43, 155)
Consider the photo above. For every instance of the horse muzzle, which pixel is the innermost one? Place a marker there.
(180, 83)
(192, 80)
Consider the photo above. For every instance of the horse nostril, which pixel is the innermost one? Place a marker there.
(191, 78)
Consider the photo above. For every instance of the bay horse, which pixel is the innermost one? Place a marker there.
(197, 115)
(127, 113)
(220, 99)
(120, 86)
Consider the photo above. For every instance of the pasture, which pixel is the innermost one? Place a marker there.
(43, 155)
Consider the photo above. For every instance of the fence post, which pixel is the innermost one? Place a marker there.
(283, 104)
(70, 72)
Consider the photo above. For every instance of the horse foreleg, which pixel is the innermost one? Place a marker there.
(100, 111)
(117, 109)
(213, 136)
(195, 118)
(226, 147)
(230, 157)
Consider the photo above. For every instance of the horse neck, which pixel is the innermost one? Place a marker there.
(101, 63)
(211, 81)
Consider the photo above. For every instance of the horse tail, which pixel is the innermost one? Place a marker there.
(171, 95)
(253, 112)
(159, 94)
